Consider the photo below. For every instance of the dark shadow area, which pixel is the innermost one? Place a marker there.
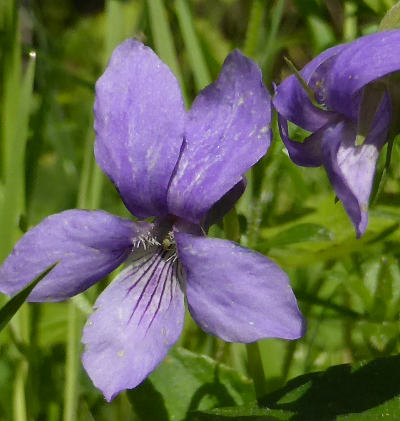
(147, 402)
(340, 390)
(215, 391)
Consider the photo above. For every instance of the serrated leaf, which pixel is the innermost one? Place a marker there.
(13, 305)
(186, 382)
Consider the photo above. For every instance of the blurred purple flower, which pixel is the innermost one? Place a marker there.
(353, 120)
(186, 170)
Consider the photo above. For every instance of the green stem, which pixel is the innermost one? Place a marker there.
(272, 45)
(163, 39)
(253, 27)
(256, 369)
(71, 391)
(195, 54)
(19, 403)
(350, 21)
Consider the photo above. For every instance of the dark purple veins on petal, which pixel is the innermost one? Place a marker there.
(137, 319)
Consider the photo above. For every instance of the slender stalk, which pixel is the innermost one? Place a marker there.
(256, 369)
(350, 21)
(163, 39)
(254, 26)
(19, 403)
(71, 391)
(270, 46)
(199, 67)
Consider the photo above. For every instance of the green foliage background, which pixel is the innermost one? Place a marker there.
(348, 289)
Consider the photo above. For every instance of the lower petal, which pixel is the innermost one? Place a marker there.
(138, 318)
(88, 244)
(237, 294)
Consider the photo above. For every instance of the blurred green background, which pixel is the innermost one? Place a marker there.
(51, 54)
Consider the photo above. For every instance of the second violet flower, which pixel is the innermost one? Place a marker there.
(350, 118)
(185, 169)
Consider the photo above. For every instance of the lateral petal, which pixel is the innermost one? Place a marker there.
(138, 318)
(139, 118)
(235, 293)
(226, 132)
(88, 244)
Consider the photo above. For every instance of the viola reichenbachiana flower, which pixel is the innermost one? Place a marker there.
(349, 115)
(184, 169)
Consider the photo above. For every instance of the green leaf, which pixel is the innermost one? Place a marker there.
(392, 19)
(298, 234)
(12, 306)
(187, 382)
(366, 391)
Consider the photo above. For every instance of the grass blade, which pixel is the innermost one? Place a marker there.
(13, 305)
(199, 67)
(163, 39)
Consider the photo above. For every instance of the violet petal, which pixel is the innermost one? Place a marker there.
(237, 294)
(292, 102)
(226, 132)
(139, 118)
(138, 318)
(88, 244)
(363, 61)
(306, 154)
(351, 168)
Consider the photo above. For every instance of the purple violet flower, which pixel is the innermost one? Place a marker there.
(185, 169)
(353, 120)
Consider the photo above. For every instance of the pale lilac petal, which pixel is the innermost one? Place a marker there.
(292, 102)
(139, 118)
(138, 318)
(307, 153)
(363, 61)
(235, 293)
(88, 244)
(226, 132)
(351, 168)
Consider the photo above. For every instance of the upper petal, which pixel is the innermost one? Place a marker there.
(292, 102)
(138, 318)
(351, 168)
(226, 132)
(89, 245)
(139, 119)
(235, 293)
(363, 61)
